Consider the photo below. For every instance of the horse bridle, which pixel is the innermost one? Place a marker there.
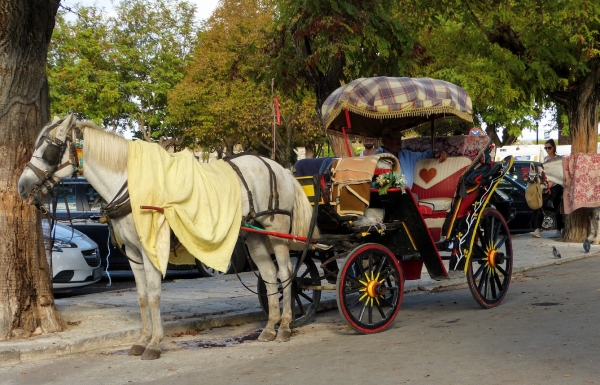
(52, 154)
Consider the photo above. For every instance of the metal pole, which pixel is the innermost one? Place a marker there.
(274, 117)
(432, 137)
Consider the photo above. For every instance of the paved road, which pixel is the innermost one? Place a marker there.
(545, 332)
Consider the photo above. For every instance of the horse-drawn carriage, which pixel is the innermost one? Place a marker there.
(384, 233)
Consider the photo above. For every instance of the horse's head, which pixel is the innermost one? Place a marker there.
(54, 158)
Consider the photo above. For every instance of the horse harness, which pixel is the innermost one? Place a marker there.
(273, 207)
(121, 204)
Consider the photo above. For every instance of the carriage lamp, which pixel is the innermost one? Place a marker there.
(60, 244)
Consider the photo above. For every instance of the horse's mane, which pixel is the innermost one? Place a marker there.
(104, 147)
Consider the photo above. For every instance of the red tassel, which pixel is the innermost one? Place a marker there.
(276, 101)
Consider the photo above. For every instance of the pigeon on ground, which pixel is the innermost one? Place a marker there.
(555, 252)
(586, 245)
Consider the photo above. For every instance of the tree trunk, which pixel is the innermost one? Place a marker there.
(229, 149)
(26, 299)
(576, 226)
(583, 124)
(581, 105)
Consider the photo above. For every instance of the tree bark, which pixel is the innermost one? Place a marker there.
(26, 299)
(581, 106)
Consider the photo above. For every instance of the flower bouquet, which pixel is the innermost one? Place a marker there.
(391, 179)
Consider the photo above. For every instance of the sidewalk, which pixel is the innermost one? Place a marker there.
(110, 319)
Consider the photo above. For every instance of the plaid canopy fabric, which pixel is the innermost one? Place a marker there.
(386, 97)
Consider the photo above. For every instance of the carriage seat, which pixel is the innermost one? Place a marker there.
(352, 179)
(435, 183)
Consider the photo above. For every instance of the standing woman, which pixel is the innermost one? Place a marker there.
(555, 196)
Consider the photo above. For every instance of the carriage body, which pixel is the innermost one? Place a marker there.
(415, 230)
(443, 223)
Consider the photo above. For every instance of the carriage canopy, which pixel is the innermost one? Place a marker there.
(374, 104)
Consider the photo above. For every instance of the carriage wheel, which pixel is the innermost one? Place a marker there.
(491, 261)
(369, 288)
(304, 301)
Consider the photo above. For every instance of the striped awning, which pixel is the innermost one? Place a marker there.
(378, 103)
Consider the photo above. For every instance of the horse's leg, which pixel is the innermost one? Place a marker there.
(282, 253)
(261, 257)
(153, 287)
(140, 283)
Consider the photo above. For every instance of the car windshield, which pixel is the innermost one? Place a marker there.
(66, 196)
(92, 197)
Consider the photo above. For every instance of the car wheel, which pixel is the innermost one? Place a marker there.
(236, 264)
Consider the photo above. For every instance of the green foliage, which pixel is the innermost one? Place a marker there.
(513, 58)
(320, 44)
(119, 69)
(81, 71)
(226, 97)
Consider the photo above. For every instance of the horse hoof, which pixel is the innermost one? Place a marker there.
(283, 335)
(136, 350)
(267, 336)
(151, 354)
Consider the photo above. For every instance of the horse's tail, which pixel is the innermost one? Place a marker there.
(302, 212)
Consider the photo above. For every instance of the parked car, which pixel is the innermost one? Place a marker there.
(513, 185)
(75, 258)
(77, 200)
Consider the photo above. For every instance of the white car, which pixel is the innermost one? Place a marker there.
(75, 259)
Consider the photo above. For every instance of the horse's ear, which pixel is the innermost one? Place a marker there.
(63, 129)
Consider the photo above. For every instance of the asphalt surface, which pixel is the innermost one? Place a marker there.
(112, 318)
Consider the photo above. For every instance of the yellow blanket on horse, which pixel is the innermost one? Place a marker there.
(201, 202)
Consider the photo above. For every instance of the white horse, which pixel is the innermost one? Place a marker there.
(105, 156)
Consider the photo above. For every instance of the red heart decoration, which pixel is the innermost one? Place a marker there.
(427, 174)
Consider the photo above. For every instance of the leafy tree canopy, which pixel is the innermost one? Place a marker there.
(518, 57)
(226, 97)
(119, 69)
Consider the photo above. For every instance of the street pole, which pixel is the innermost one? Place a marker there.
(274, 117)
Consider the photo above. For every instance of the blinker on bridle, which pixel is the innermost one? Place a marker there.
(53, 151)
